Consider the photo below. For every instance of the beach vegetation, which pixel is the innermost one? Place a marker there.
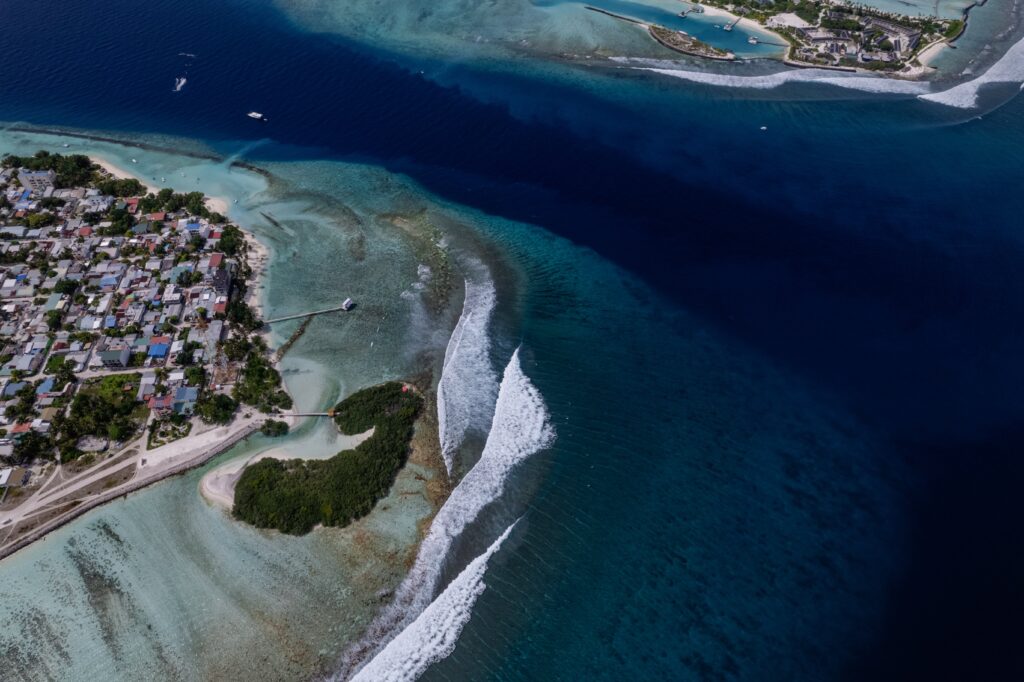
(293, 496)
(259, 385)
(274, 428)
(127, 187)
(215, 408)
(72, 170)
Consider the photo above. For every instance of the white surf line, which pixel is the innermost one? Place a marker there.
(468, 383)
(1009, 69)
(520, 428)
(433, 635)
(872, 84)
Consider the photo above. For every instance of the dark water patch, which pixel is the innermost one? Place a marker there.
(954, 612)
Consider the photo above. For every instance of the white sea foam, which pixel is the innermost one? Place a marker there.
(520, 428)
(872, 84)
(468, 385)
(1009, 69)
(433, 635)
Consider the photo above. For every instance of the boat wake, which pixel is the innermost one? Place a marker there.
(179, 83)
(433, 635)
(520, 428)
(468, 384)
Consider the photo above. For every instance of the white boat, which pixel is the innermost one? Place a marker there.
(348, 304)
(752, 40)
(256, 115)
(179, 83)
(764, 127)
(134, 161)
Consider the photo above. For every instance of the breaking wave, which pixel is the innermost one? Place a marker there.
(433, 635)
(468, 385)
(872, 84)
(1009, 69)
(520, 428)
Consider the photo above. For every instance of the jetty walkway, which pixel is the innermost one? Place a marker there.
(296, 316)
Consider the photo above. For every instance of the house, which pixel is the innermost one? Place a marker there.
(161, 405)
(185, 400)
(147, 386)
(222, 282)
(12, 388)
(14, 477)
(117, 359)
(158, 350)
(37, 181)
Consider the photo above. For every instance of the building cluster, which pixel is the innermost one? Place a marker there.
(872, 40)
(842, 34)
(94, 296)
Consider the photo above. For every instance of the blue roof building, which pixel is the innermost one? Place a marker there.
(12, 388)
(158, 350)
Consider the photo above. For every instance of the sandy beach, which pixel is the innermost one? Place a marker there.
(218, 485)
(929, 53)
(726, 16)
(119, 172)
(259, 260)
(217, 205)
(259, 254)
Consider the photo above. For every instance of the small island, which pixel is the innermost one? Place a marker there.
(295, 495)
(680, 41)
(842, 35)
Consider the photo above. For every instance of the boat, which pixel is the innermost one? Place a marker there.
(179, 83)
(764, 127)
(752, 40)
(134, 161)
(256, 115)
(348, 304)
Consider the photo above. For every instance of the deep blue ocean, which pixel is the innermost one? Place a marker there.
(828, 489)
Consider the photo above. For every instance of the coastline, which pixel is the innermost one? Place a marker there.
(132, 486)
(218, 485)
(149, 466)
(119, 172)
(712, 11)
(257, 255)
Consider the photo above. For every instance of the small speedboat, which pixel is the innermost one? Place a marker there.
(752, 40)
(257, 115)
(348, 304)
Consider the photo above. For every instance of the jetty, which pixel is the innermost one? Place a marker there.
(311, 313)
